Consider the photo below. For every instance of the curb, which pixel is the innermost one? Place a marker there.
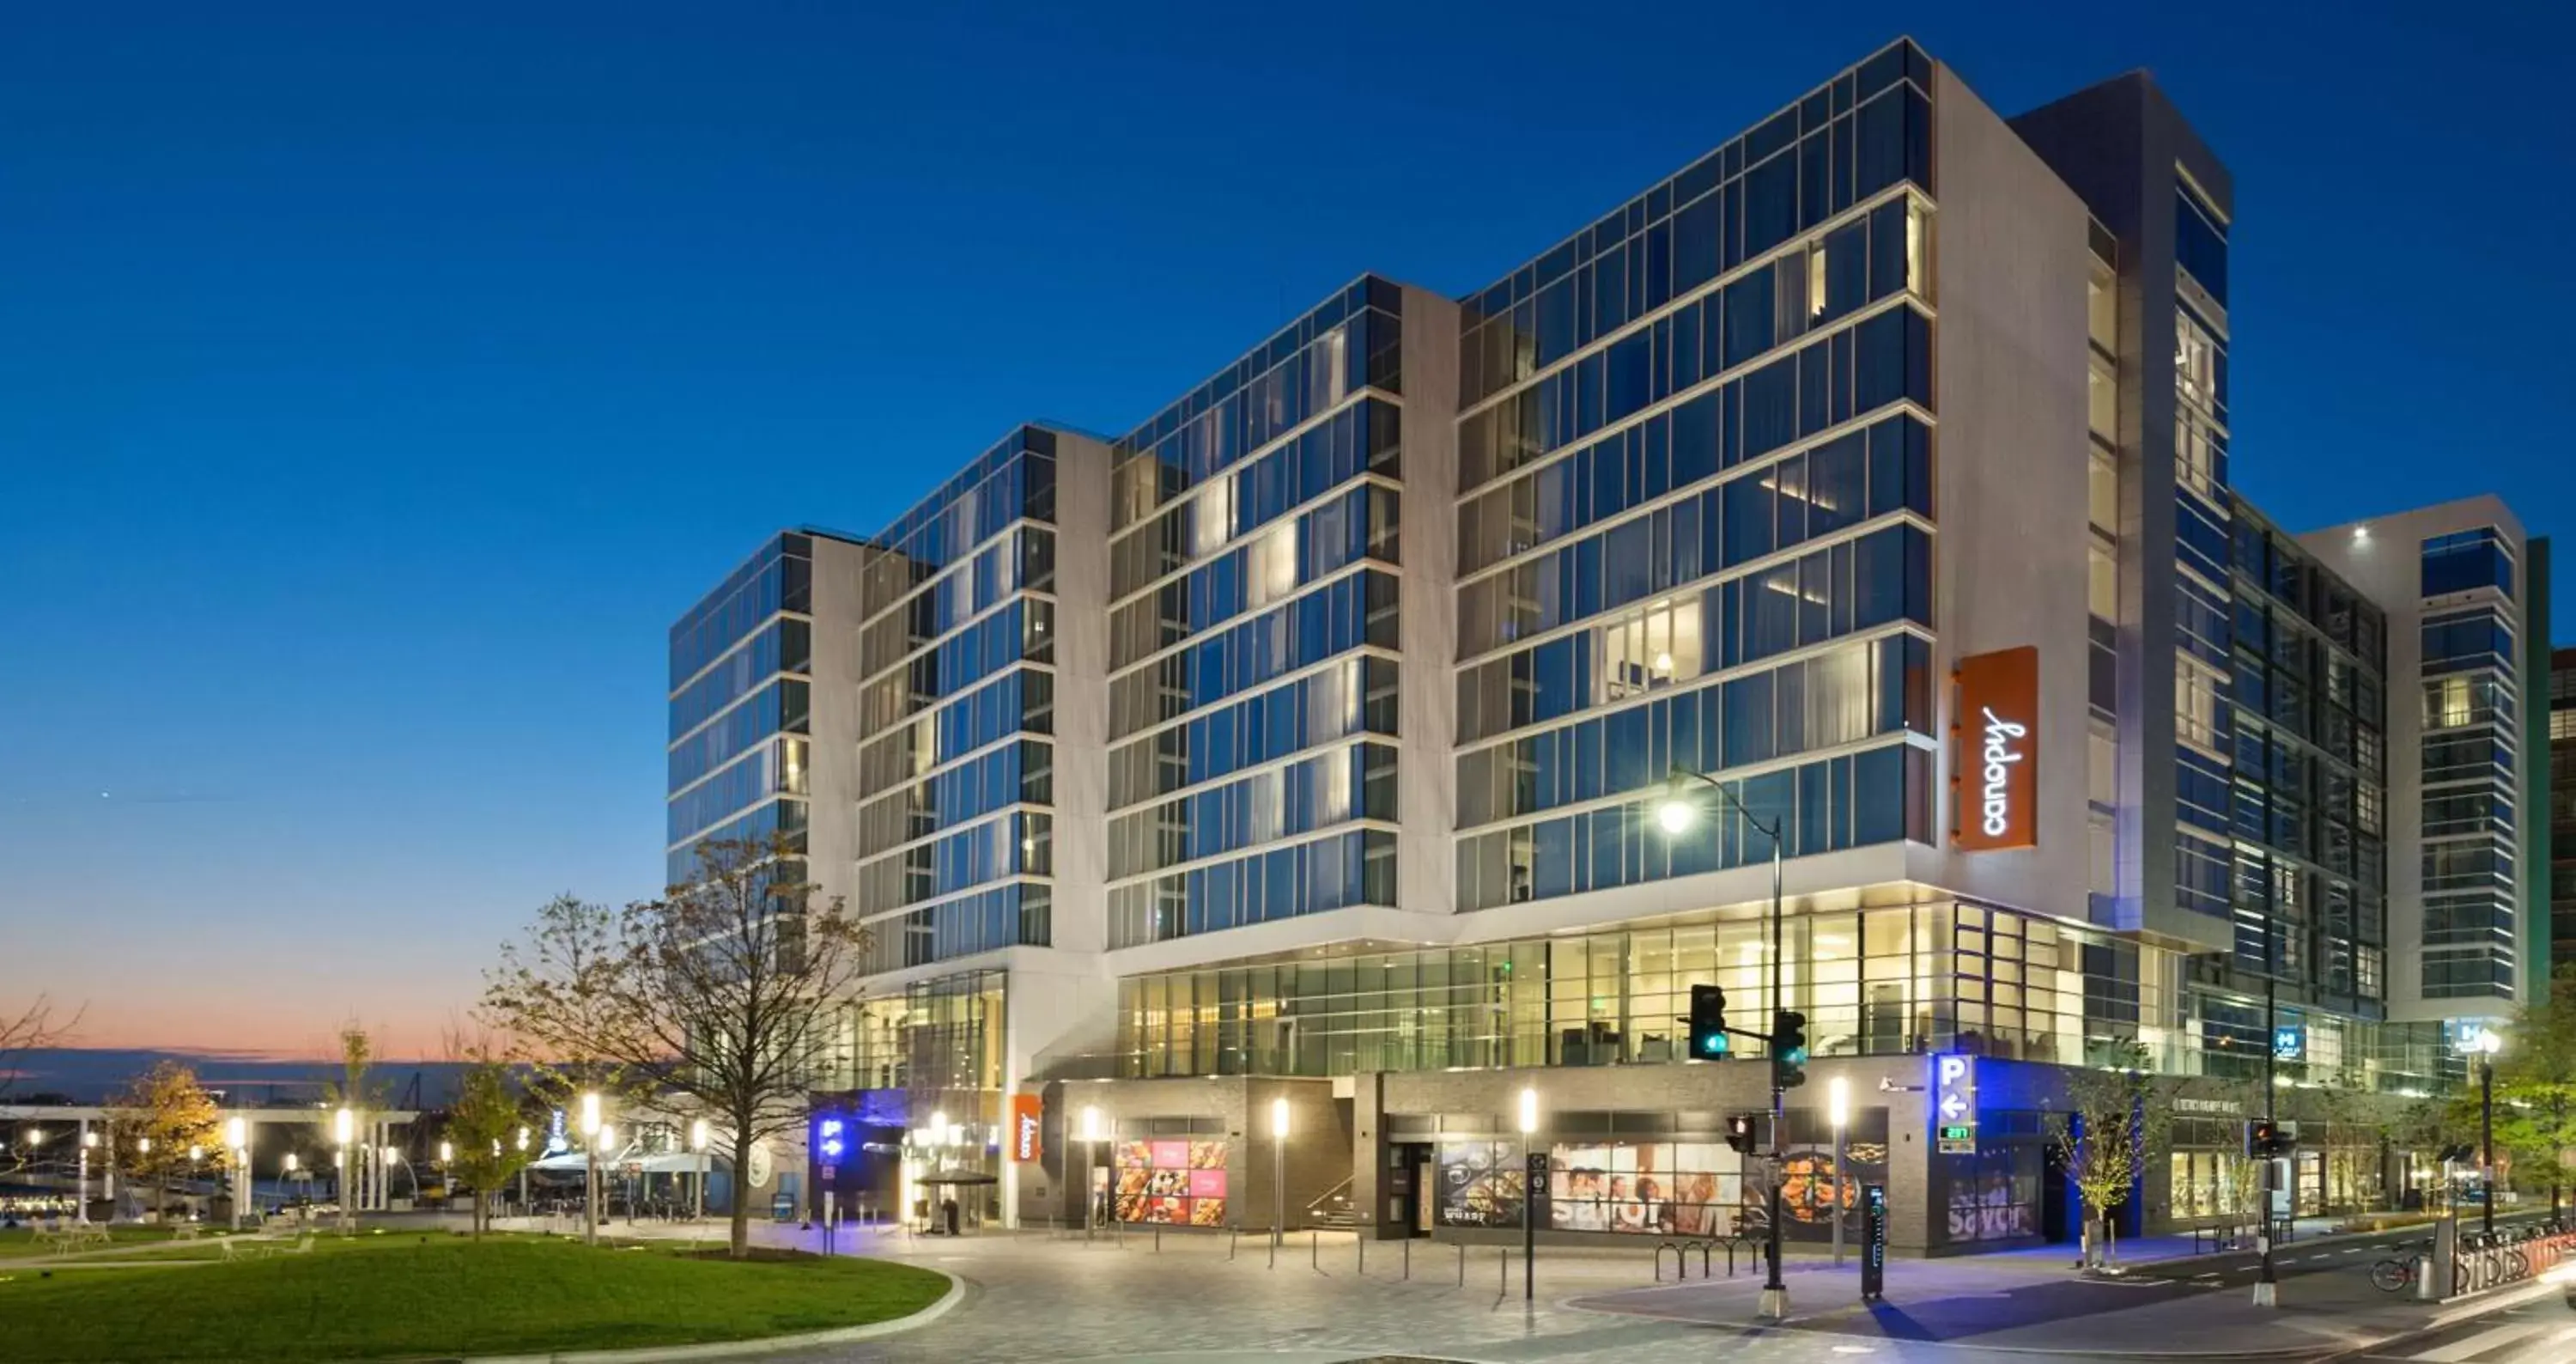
(730, 1349)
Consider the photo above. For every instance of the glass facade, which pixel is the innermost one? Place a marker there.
(956, 703)
(2307, 800)
(740, 679)
(1695, 438)
(1253, 645)
(1918, 972)
(2472, 742)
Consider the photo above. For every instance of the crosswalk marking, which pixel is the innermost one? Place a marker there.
(2460, 1350)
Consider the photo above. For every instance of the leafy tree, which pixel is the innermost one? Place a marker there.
(2112, 1124)
(483, 1127)
(157, 1120)
(723, 991)
(2535, 1084)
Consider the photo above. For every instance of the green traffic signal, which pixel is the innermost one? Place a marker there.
(1708, 1022)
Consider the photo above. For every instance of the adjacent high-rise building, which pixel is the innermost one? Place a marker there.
(1410, 715)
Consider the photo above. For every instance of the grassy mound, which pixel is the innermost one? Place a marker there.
(402, 1297)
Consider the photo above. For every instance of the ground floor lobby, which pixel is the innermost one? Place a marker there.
(1637, 1153)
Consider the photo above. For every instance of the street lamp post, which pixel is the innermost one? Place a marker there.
(344, 1129)
(237, 1140)
(1529, 1196)
(698, 1143)
(88, 1139)
(590, 1138)
(1677, 813)
(1278, 1175)
(2485, 1046)
(523, 1171)
(1838, 1113)
(1090, 1153)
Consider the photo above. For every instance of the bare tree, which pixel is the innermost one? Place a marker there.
(722, 992)
(30, 1029)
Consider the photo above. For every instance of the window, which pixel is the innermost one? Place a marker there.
(2196, 704)
(2466, 561)
(2103, 491)
(2102, 397)
(2102, 588)
(2200, 240)
(1654, 648)
(2102, 308)
(2200, 363)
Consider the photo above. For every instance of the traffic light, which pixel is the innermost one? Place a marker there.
(1708, 1023)
(2264, 1139)
(1739, 1133)
(1788, 1049)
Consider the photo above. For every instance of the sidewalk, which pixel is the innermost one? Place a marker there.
(2009, 1302)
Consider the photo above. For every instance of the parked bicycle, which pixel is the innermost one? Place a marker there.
(2393, 1276)
(2396, 1274)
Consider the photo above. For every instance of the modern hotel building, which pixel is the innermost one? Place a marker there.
(1303, 743)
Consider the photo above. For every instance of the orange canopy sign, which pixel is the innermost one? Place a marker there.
(1994, 795)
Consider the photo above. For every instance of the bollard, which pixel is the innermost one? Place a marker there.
(1462, 1264)
(1506, 1263)
(1408, 1255)
(1315, 1251)
(1272, 1236)
(1359, 1238)
(1158, 1238)
(1232, 1235)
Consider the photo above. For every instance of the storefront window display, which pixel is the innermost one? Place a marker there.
(1180, 1182)
(1994, 1194)
(1644, 1188)
(1481, 1184)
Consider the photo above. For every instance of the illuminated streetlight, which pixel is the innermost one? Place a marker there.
(1092, 1131)
(1677, 813)
(1278, 1175)
(1838, 1112)
(593, 1132)
(698, 1135)
(1530, 1171)
(237, 1141)
(446, 1152)
(2484, 1045)
(344, 1129)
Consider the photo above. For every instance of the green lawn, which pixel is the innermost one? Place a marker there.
(398, 1297)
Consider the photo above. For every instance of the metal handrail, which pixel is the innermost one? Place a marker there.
(1342, 1188)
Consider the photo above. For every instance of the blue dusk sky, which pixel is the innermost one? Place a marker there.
(377, 382)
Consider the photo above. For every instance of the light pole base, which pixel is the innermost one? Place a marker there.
(1774, 1305)
(2265, 1295)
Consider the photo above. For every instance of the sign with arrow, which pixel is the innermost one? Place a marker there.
(1954, 1103)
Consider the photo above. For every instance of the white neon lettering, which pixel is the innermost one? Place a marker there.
(2000, 755)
